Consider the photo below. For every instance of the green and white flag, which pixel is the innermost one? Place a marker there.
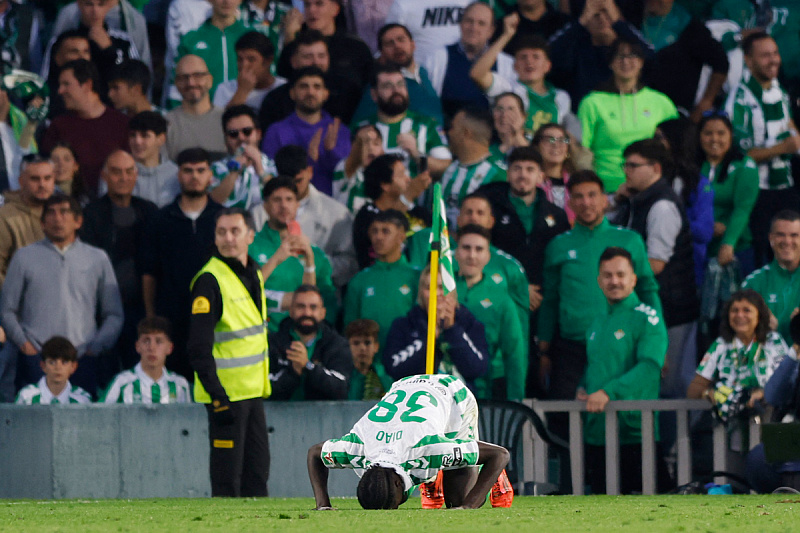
(440, 236)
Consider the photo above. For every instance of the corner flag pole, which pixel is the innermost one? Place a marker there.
(434, 285)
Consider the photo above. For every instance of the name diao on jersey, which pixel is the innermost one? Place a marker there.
(442, 16)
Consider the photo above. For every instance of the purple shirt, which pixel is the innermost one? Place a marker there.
(294, 130)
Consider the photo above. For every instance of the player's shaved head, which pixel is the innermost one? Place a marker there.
(380, 488)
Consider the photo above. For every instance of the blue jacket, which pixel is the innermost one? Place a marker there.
(464, 344)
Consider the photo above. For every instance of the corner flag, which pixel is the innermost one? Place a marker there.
(440, 235)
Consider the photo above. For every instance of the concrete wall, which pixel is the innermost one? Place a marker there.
(116, 451)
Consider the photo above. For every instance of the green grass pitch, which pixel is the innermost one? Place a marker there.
(647, 514)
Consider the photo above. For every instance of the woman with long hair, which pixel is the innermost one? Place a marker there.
(734, 180)
(679, 136)
(553, 142)
(621, 112)
(67, 170)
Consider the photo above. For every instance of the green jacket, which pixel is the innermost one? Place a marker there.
(216, 47)
(625, 350)
(501, 266)
(382, 292)
(611, 121)
(733, 201)
(289, 275)
(780, 289)
(572, 297)
(488, 300)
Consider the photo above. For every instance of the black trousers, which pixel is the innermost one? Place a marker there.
(240, 451)
(569, 364)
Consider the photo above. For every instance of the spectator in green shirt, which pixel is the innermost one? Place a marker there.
(487, 298)
(625, 349)
(365, 382)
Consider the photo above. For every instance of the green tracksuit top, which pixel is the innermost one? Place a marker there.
(625, 350)
(289, 275)
(612, 121)
(382, 292)
(780, 289)
(488, 300)
(734, 200)
(216, 47)
(571, 296)
(501, 267)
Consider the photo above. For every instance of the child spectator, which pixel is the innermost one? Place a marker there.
(59, 362)
(366, 383)
(149, 381)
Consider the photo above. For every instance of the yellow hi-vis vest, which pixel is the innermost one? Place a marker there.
(240, 339)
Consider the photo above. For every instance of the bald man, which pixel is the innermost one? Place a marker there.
(196, 122)
(116, 223)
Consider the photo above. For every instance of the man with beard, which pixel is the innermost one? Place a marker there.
(180, 239)
(326, 138)
(195, 123)
(404, 131)
(396, 47)
(288, 259)
(763, 129)
(308, 359)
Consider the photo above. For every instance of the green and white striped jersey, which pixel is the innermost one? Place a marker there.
(39, 394)
(762, 118)
(460, 180)
(134, 386)
(424, 424)
(349, 190)
(428, 133)
(246, 192)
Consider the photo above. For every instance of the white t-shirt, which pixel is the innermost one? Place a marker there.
(227, 89)
(432, 23)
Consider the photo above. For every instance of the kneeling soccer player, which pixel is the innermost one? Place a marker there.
(423, 425)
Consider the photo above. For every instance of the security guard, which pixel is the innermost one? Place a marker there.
(228, 350)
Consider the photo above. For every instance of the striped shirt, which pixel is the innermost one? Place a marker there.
(135, 386)
(39, 394)
(424, 424)
(349, 190)
(246, 191)
(761, 118)
(460, 180)
(429, 136)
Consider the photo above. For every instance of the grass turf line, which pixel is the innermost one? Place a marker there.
(556, 513)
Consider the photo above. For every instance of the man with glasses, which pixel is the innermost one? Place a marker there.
(239, 177)
(195, 123)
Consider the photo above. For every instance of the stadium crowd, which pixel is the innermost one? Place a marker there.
(557, 129)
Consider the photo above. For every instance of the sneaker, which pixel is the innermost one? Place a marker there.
(502, 493)
(432, 493)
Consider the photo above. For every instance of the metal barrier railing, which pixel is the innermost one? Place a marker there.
(537, 448)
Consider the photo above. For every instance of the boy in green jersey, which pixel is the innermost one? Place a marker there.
(487, 298)
(59, 362)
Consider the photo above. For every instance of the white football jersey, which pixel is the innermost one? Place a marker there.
(424, 424)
